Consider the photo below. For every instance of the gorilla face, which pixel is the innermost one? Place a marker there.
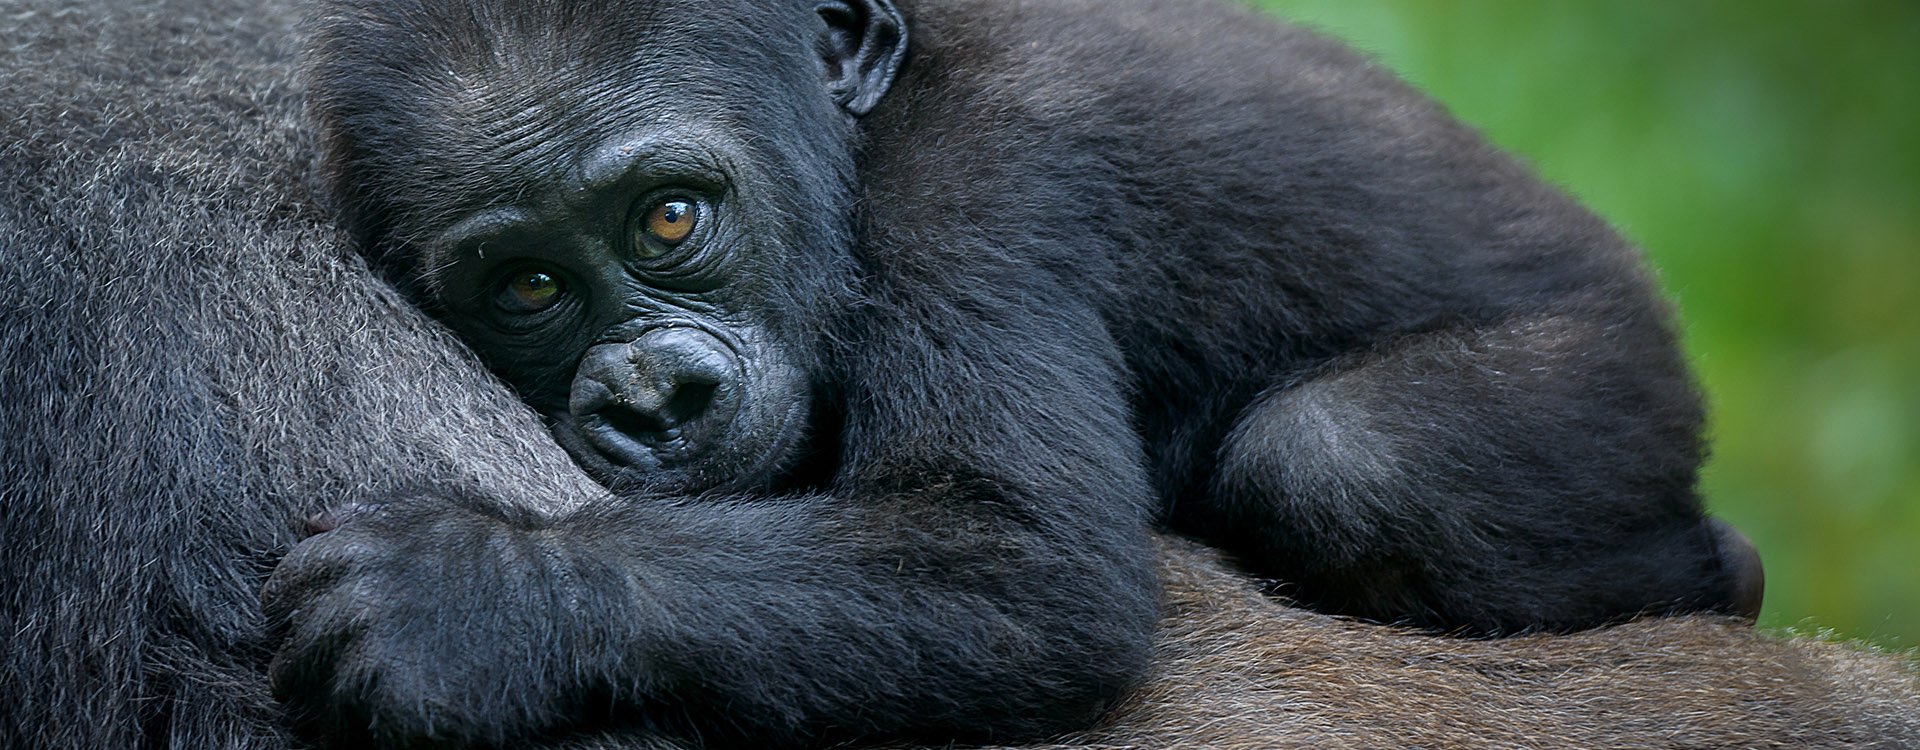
(621, 300)
(649, 259)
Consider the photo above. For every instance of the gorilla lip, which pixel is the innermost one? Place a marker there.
(623, 449)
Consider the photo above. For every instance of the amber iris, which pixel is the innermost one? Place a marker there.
(670, 223)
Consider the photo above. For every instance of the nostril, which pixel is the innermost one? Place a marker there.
(663, 398)
(590, 395)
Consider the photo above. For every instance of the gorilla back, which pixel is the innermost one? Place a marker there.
(1363, 350)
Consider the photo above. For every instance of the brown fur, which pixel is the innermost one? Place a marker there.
(1238, 669)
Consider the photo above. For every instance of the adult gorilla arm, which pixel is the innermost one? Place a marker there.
(193, 363)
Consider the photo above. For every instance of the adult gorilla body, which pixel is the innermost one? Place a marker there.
(194, 364)
(909, 364)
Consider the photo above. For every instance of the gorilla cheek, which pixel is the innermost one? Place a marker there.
(681, 408)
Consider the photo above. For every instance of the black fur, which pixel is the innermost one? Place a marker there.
(1085, 264)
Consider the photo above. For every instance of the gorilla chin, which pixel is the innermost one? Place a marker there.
(681, 407)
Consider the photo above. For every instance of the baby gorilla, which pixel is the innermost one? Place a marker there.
(902, 325)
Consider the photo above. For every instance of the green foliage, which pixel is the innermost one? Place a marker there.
(1767, 156)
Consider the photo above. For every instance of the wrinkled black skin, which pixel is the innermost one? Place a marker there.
(1005, 296)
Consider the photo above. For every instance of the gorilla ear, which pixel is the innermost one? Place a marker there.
(861, 49)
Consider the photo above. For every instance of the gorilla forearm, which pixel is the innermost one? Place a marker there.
(964, 569)
(805, 618)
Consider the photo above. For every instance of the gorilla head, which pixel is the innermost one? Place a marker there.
(646, 257)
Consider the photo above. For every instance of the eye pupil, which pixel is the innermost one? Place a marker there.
(533, 291)
(670, 222)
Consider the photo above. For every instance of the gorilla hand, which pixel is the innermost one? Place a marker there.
(379, 615)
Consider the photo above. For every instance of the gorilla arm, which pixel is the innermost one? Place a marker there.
(974, 572)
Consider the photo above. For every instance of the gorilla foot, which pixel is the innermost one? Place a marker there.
(1741, 560)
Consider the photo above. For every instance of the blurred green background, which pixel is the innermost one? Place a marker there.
(1767, 156)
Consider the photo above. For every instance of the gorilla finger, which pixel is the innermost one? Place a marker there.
(311, 568)
(336, 517)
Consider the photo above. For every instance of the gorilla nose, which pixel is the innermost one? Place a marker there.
(657, 399)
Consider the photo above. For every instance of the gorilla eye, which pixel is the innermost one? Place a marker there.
(665, 226)
(529, 292)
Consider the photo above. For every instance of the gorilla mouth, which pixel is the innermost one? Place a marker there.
(631, 441)
(622, 452)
